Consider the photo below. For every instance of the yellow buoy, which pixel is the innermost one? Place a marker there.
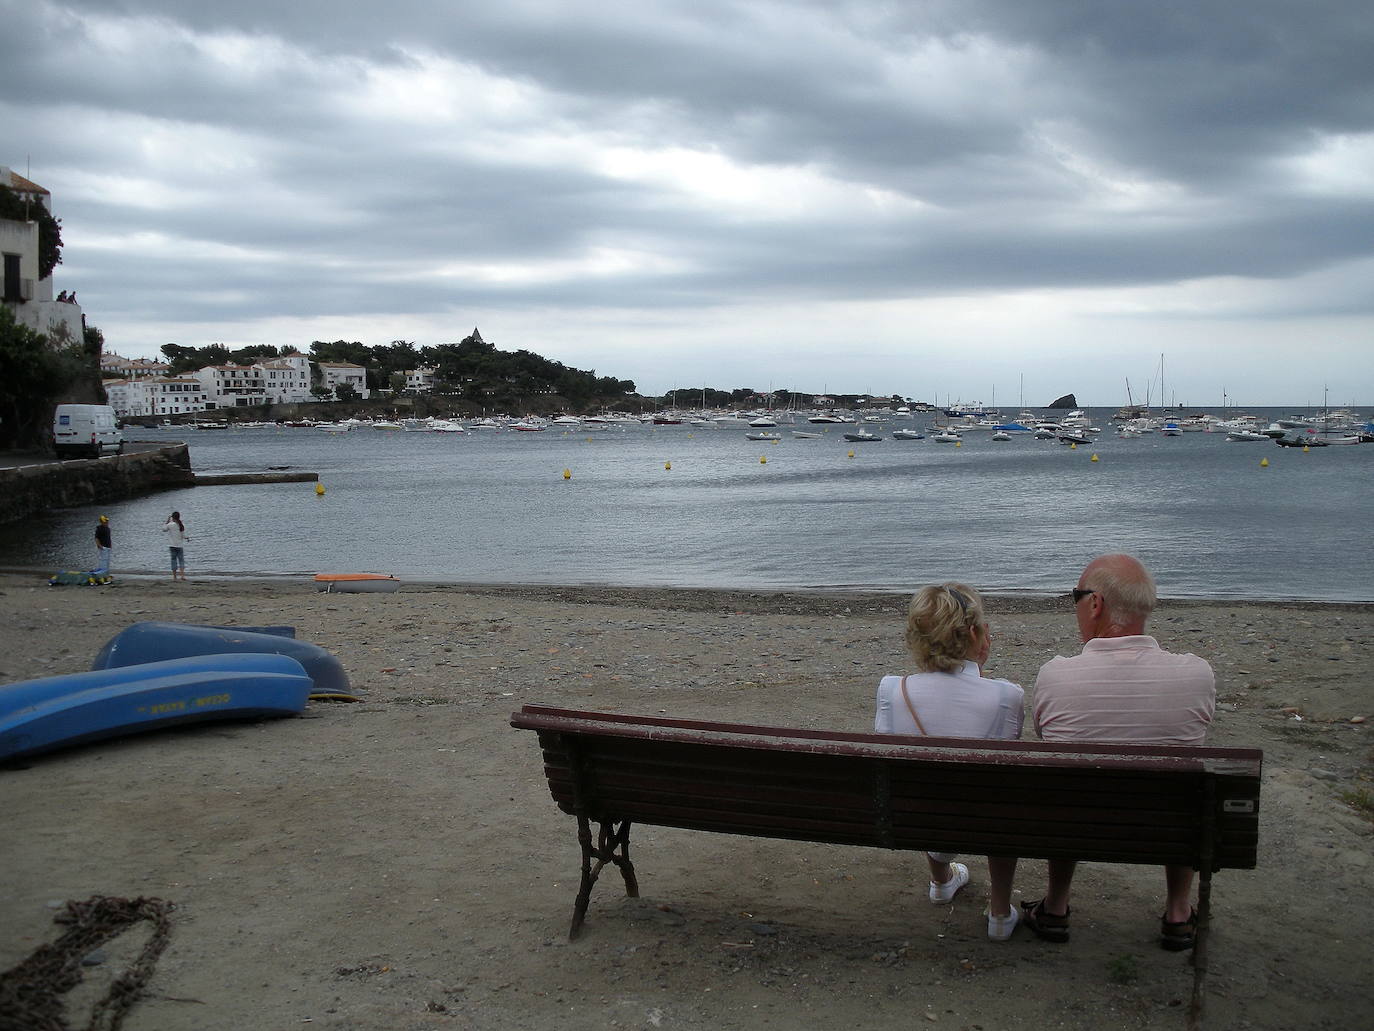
(1073, 447)
(589, 440)
(319, 489)
(851, 454)
(958, 443)
(1305, 449)
(763, 459)
(1094, 456)
(1264, 463)
(667, 465)
(567, 474)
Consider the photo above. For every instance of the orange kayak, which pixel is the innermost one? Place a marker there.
(356, 583)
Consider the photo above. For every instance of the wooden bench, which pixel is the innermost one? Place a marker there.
(1106, 803)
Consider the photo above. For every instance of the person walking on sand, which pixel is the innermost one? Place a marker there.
(104, 547)
(948, 636)
(1122, 687)
(177, 537)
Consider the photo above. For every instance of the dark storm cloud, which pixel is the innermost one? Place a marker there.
(941, 149)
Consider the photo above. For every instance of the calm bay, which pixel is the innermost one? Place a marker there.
(1021, 516)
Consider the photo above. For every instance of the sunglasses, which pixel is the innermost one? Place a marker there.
(1079, 593)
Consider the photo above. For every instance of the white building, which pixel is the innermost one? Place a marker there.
(176, 395)
(171, 395)
(112, 364)
(232, 386)
(332, 374)
(286, 380)
(24, 293)
(127, 398)
(419, 381)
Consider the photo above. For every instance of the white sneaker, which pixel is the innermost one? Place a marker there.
(943, 894)
(1000, 928)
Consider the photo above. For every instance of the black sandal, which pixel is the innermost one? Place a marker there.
(1178, 936)
(1046, 925)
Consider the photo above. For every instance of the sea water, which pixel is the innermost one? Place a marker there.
(705, 507)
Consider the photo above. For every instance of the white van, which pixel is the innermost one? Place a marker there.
(86, 431)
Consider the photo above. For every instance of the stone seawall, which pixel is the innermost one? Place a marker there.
(29, 489)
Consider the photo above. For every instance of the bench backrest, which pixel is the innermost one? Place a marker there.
(1103, 802)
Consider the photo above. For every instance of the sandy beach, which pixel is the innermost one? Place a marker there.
(398, 863)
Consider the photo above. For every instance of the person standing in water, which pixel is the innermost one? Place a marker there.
(177, 537)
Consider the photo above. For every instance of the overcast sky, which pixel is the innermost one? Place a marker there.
(943, 199)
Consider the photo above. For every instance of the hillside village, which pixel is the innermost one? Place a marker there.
(144, 387)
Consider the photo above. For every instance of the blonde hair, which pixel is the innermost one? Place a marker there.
(938, 624)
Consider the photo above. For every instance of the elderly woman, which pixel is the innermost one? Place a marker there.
(947, 634)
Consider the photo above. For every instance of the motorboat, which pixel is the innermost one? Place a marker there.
(822, 418)
(946, 437)
(1074, 436)
(907, 435)
(1171, 429)
(763, 435)
(1247, 436)
(1294, 441)
(762, 422)
(1001, 435)
(861, 436)
(805, 435)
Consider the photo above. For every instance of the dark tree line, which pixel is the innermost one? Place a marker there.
(472, 368)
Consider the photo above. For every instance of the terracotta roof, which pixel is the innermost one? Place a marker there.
(18, 182)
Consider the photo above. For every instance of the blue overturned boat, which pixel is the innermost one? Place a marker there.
(156, 641)
(39, 716)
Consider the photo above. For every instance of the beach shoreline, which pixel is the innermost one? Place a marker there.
(398, 863)
(819, 599)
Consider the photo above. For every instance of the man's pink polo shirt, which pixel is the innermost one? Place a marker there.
(1125, 689)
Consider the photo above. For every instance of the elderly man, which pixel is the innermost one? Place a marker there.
(1122, 687)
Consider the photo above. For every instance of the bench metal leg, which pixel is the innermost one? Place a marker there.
(612, 846)
(1204, 913)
